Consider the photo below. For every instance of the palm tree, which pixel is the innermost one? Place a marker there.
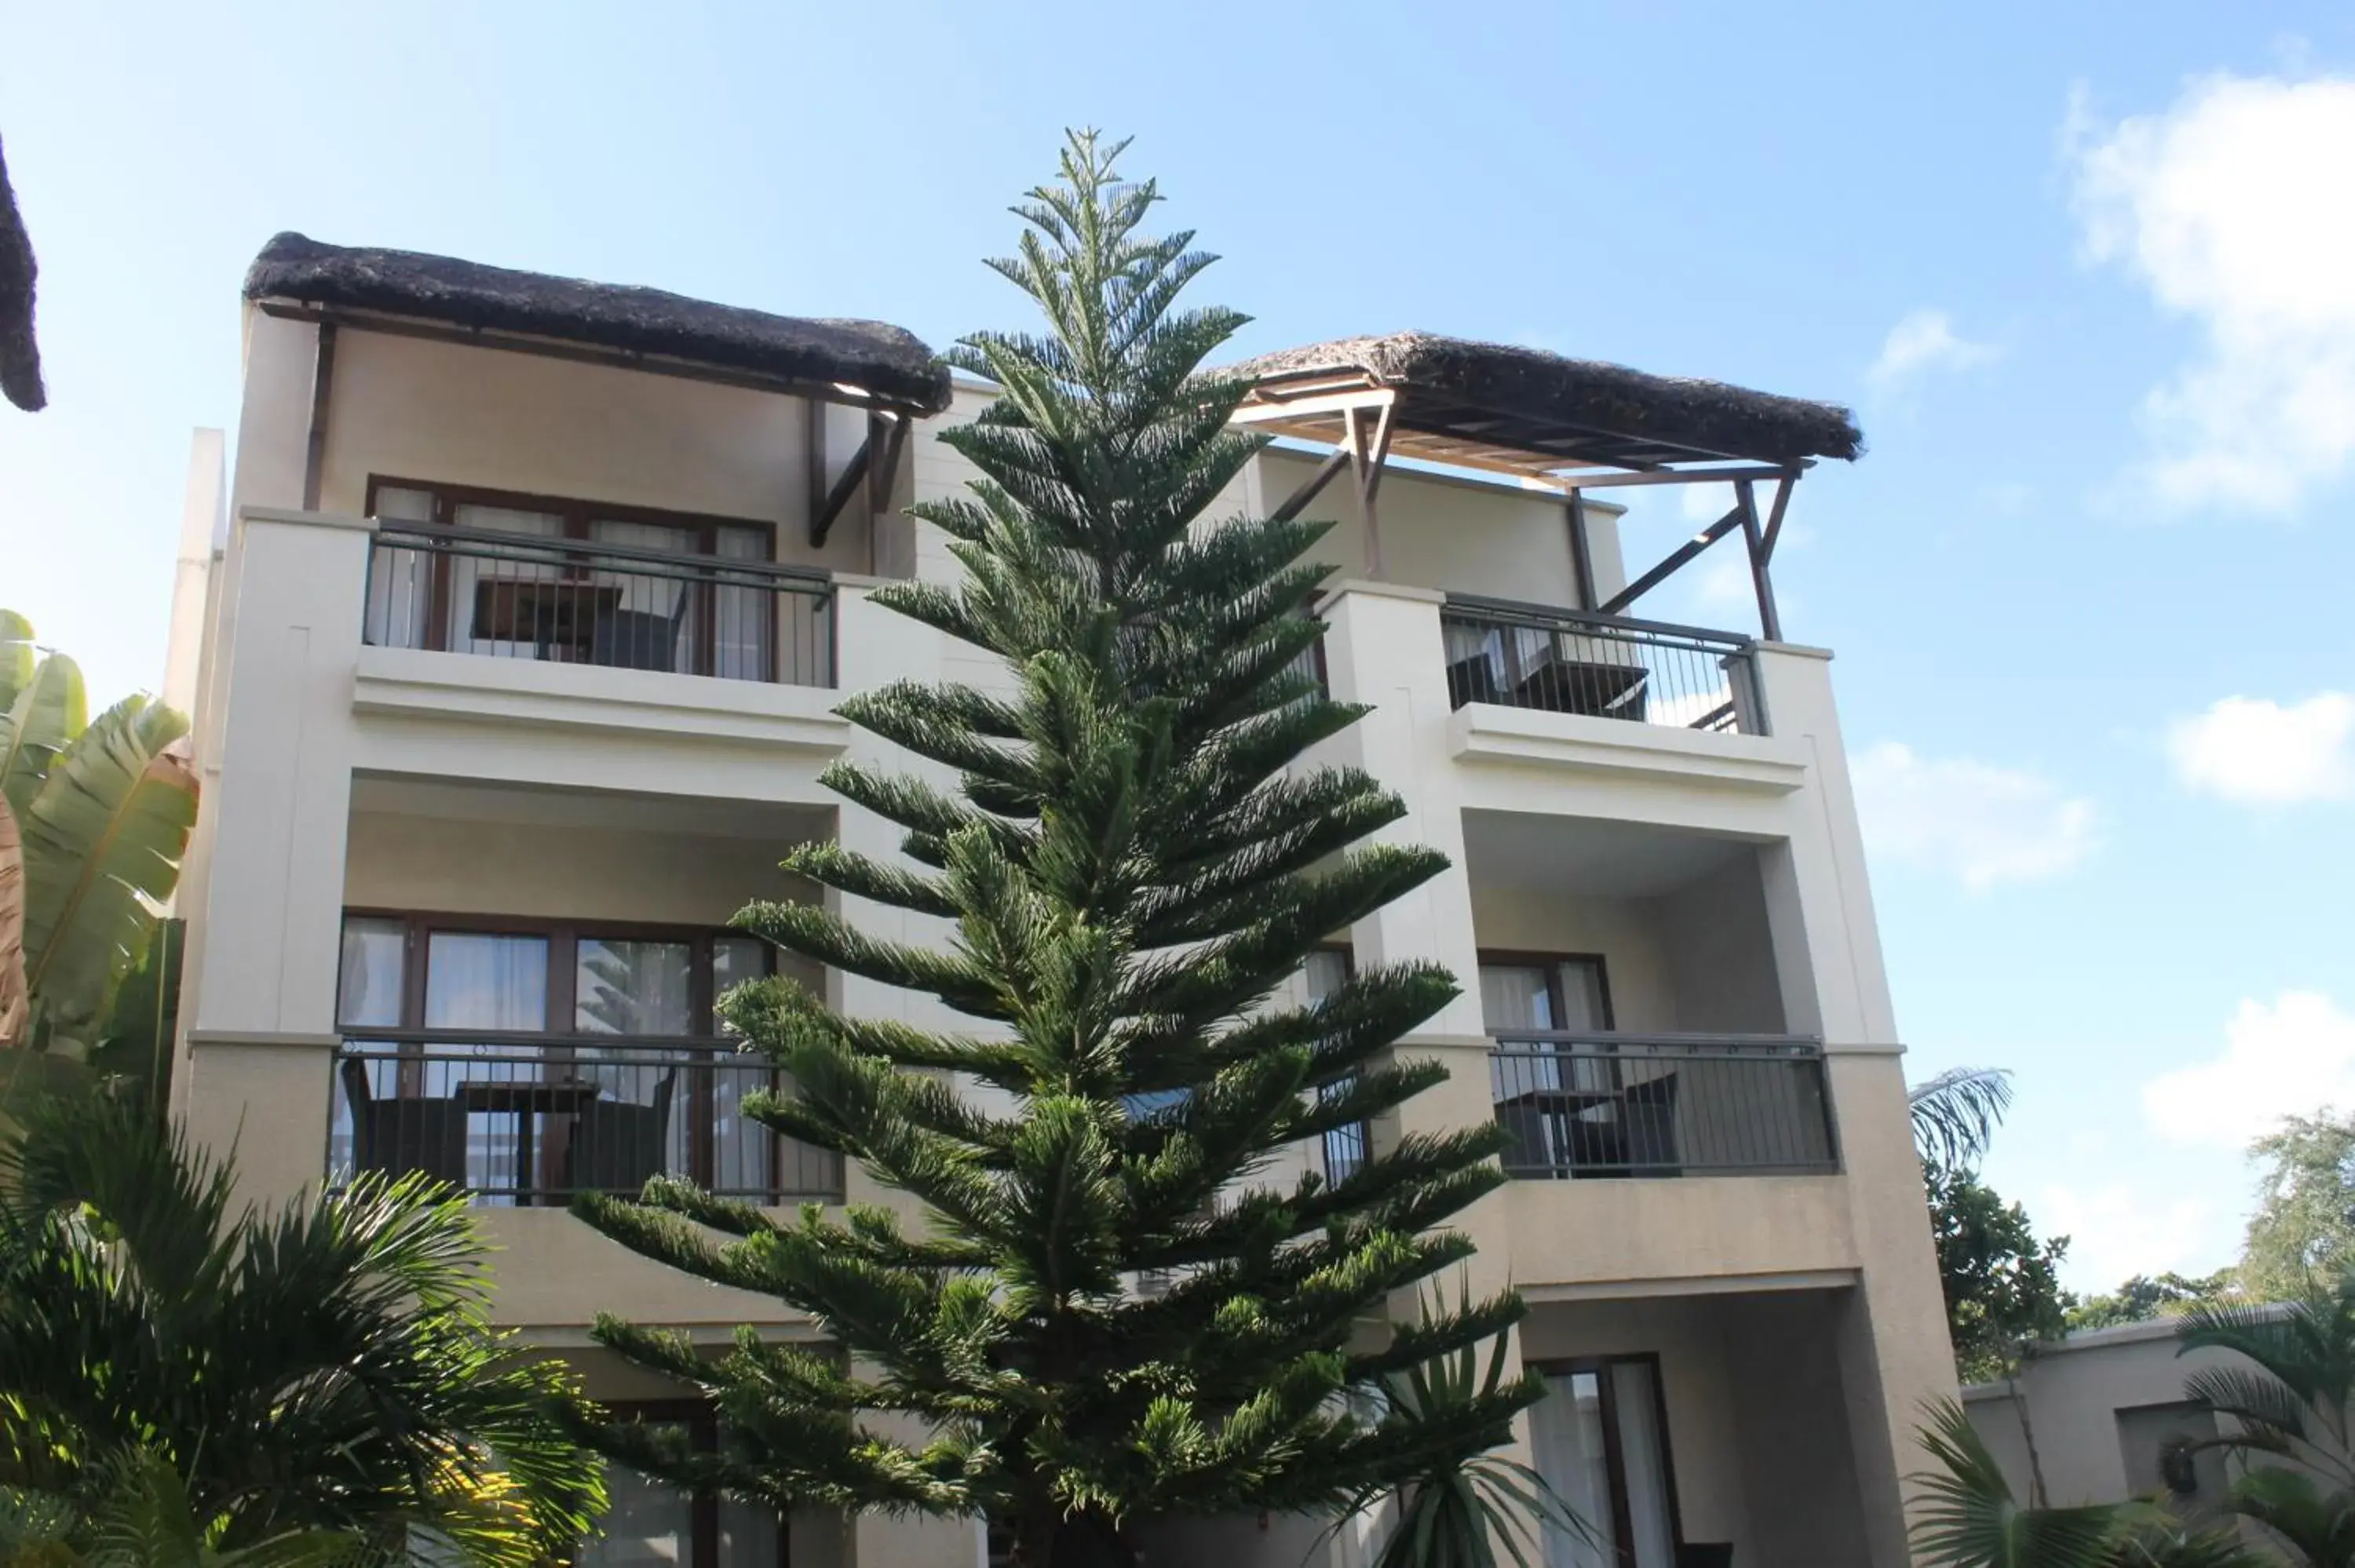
(1968, 1518)
(2291, 1404)
(327, 1365)
(143, 1518)
(1956, 1114)
(1482, 1512)
(94, 817)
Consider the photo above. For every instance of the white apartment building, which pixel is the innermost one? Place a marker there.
(513, 651)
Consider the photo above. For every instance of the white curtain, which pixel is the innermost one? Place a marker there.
(1572, 1453)
(742, 628)
(478, 980)
(400, 582)
(646, 1525)
(367, 988)
(1635, 1403)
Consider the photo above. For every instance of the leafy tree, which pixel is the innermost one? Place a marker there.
(2002, 1285)
(2303, 1227)
(94, 816)
(2144, 1297)
(1133, 864)
(324, 1366)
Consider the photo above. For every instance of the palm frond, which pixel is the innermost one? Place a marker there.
(1967, 1517)
(1956, 1114)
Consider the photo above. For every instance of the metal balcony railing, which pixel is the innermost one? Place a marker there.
(1665, 1105)
(533, 1119)
(510, 596)
(1606, 666)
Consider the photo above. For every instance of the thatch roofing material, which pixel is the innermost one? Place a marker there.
(1578, 412)
(20, 357)
(889, 361)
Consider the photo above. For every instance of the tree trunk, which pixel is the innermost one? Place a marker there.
(2027, 1436)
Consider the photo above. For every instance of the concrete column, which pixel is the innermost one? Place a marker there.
(1384, 648)
(875, 647)
(265, 938)
(1893, 1348)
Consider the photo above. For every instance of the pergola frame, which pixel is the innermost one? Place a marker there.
(1366, 423)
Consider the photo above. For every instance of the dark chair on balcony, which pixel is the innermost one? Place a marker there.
(640, 638)
(407, 1132)
(1474, 679)
(618, 1144)
(1705, 1554)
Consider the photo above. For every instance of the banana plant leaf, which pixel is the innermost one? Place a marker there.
(17, 657)
(102, 841)
(50, 711)
(15, 1003)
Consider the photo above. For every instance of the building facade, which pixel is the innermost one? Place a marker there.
(512, 650)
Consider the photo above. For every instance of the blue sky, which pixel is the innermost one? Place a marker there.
(2083, 269)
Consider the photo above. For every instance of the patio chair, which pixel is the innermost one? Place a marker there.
(406, 1133)
(618, 1144)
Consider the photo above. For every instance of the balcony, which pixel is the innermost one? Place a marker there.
(527, 1121)
(1581, 1106)
(506, 595)
(1602, 666)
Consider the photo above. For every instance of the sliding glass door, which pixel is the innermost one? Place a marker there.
(1602, 1443)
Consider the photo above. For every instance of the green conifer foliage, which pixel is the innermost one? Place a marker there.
(1135, 864)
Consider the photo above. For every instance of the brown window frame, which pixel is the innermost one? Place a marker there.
(1365, 1130)
(578, 512)
(1614, 1460)
(702, 1427)
(1526, 958)
(563, 939)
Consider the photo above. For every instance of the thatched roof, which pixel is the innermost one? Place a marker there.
(613, 320)
(20, 357)
(1558, 412)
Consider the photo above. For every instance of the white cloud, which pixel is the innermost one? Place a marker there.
(2260, 752)
(1982, 823)
(2226, 207)
(2119, 1230)
(2295, 1057)
(1921, 342)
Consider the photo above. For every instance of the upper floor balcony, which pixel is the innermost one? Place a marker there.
(709, 604)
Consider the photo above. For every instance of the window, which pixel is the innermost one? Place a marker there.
(1600, 1440)
(1346, 1148)
(648, 1524)
(525, 1061)
(1541, 993)
(525, 577)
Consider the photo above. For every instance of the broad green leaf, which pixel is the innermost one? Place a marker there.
(17, 657)
(14, 1004)
(103, 844)
(49, 711)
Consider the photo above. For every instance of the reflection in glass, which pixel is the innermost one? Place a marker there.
(633, 987)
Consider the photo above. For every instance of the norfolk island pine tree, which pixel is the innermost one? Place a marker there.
(1132, 864)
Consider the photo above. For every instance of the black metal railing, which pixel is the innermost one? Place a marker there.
(1606, 666)
(512, 595)
(1665, 1104)
(530, 1119)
